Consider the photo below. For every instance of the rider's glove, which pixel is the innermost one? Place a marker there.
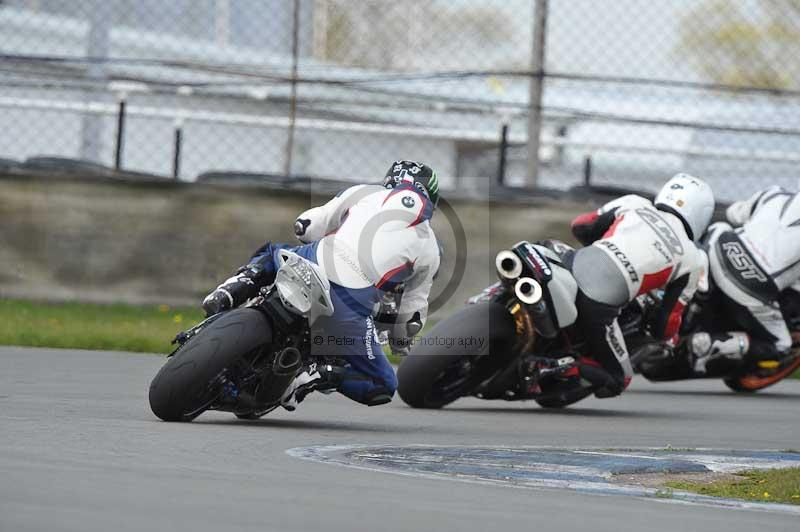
(402, 334)
(400, 346)
(301, 226)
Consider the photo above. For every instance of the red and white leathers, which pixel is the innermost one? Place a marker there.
(371, 236)
(651, 249)
(631, 248)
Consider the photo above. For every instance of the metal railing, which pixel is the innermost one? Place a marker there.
(314, 86)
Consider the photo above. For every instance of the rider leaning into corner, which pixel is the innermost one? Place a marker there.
(368, 240)
(633, 246)
(751, 265)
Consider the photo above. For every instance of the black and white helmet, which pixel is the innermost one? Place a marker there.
(417, 174)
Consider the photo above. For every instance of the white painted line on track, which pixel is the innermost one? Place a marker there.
(400, 460)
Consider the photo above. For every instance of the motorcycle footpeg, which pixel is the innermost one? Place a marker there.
(180, 338)
(545, 367)
(538, 370)
(563, 365)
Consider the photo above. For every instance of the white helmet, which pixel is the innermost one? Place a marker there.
(690, 199)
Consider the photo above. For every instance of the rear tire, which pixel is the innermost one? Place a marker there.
(557, 402)
(751, 383)
(754, 383)
(552, 403)
(423, 375)
(735, 384)
(180, 389)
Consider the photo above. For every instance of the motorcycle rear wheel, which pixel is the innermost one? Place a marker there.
(442, 367)
(752, 383)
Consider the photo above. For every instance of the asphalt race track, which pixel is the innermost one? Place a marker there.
(80, 450)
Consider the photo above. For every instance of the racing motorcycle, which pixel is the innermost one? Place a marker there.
(658, 363)
(516, 340)
(243, 360)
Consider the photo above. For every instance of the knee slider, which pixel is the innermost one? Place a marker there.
(379, 396)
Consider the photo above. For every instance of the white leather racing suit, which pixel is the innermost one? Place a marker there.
(632, 248)
(370, 236)
(755, 262)
(648, 248)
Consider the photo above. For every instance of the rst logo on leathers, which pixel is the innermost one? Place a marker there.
(662, 230)
(741, 260)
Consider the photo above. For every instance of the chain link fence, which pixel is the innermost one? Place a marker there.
(632, 90)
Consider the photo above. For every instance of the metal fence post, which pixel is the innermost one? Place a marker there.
(120, 139)
(501, 167)
(178, 138)
(100, 19)
(536, 86)
(587, 171)
(287, 170)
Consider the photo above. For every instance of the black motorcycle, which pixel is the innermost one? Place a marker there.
(243, 360)
(516, 340)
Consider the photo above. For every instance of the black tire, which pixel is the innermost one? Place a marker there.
(181, 386)
(250, 416)
(553, 403)
(735, 384)
(576, 392)
(421, 373)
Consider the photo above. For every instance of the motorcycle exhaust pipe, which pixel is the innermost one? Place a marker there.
(284, 369)
(508, 265)
(288, 362)
(528, 291)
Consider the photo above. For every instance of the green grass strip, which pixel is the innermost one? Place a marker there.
(771, 485)
(88, 326)
(144, 329)
(119, 327)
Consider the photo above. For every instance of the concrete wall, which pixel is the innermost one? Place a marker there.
(63, 239)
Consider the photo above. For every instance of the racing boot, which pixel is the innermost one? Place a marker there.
(324, 379)
(237, 289)
(534, 371)
(600, 381)
(717, 354)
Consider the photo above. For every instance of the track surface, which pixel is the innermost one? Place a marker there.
(80, 450)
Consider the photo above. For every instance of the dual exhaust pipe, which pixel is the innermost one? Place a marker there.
(509, 268)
